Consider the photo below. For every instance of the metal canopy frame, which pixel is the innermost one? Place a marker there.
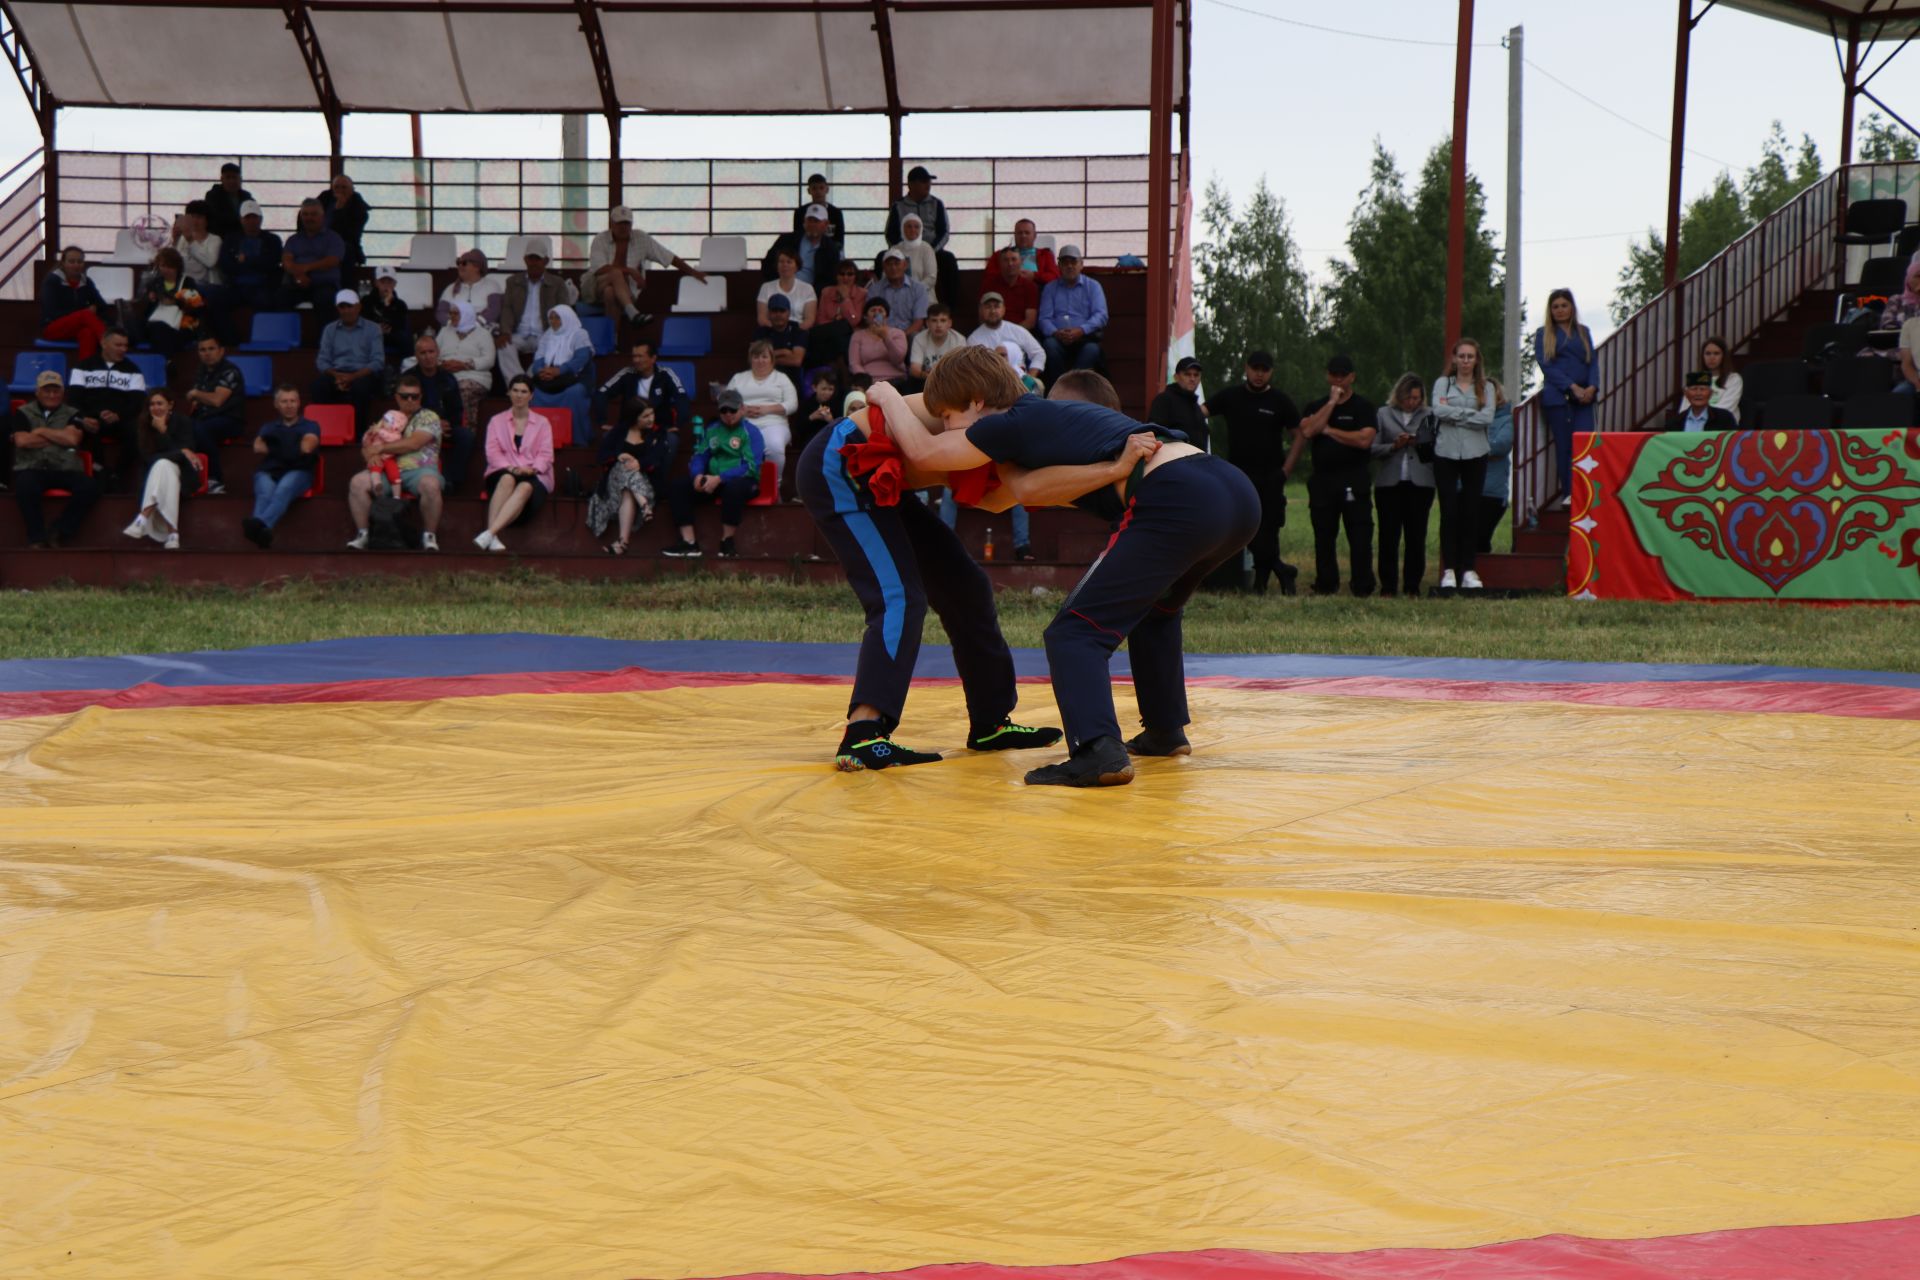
(1171, 19)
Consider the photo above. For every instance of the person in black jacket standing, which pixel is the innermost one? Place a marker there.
(817, 189)
(346, 213)
(1259, 417)
(1178, 405)
(1339, 428)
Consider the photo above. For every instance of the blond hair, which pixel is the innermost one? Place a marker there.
(1550, 338)
(1085, 384)
(970, 374)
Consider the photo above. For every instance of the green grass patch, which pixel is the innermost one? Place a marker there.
(159, 619)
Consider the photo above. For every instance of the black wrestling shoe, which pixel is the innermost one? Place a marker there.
(1100, 763)
(865, 745)
(1153, 742)
(1012, 737)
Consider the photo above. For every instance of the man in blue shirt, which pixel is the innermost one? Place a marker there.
(352, 361)
(250, 260)
(1073, 317)
(288, 448)
(906, 298)
(310, 261)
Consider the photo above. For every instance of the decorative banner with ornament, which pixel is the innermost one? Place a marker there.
(1746, 515)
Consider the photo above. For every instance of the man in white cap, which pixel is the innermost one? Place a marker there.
(524, 305)
(250, 260)
(906, 297)
(352, 361)
(617, 265)
(1073, 317)
(812, 246)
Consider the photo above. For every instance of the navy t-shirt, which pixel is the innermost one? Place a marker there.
(1037, 433)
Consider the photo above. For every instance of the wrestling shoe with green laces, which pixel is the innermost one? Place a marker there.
(1012, 737)
(866, 745)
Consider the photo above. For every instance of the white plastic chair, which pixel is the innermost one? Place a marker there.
(1043, 242)
(127, 251)
(415, 288)
(708, 297)
(431, 251)
(115, 283)
(516, 253)
(723, 253)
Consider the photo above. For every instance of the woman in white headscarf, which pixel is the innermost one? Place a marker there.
(562, 370)
(467, 352)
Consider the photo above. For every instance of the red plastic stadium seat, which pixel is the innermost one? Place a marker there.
(769, 492)
(86, 466)
(319, 484)
(335, 422)
(562, 422)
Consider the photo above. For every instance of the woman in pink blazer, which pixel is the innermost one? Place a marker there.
(519, 464)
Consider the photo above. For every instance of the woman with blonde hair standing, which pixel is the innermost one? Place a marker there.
(1564, 349)
(1463, 405)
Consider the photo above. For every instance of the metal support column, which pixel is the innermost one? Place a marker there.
(1457, 184)
(1159, 201)
(890, 78)
(1677, 139)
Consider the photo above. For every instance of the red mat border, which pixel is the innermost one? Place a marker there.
(1887, 1249)
(1807, 698)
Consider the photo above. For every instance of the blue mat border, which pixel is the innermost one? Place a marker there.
(421, 657)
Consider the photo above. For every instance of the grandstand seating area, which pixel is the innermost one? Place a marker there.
(702, 335)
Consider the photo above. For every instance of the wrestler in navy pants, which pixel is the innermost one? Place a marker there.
(901, 560)
(1187, 517)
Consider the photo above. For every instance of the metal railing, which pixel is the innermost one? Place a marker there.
(22, 226)
(1754, 280)
(1099, 202)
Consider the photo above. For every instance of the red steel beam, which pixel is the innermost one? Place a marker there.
(1159, 199)
(1457, 184)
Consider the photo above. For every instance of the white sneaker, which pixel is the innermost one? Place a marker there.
(173, 542)
(429, 543)
(494, 543)
(483, 540)
(358, 542)
(138, 529)
(1446, 581)
(1470, 580)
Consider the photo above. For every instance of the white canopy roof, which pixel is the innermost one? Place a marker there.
(683, 56)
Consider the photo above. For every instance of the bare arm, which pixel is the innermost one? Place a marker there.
(1360, 438)
(1059, 486)
(947, 451)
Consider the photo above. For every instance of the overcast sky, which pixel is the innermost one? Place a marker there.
(1284, 96)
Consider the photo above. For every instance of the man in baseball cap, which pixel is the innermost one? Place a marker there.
(1073, 318)
(617, 266)
(935, 229)
(812, 243)
(351, 363)
(250, 259)
(725, 467)
(836, 222)
(1179, 406)
(46, 455)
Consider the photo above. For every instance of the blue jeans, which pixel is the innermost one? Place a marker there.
(1062, 356)
(950, 513)
(1563, 420)
(271, 497)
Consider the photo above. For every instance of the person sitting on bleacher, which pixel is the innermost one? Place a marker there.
(173, 471)
(167, 304)
(46, 455)
(921, 263)
(998, 333)
(519, 464)
(817, 189)
(387, 311)
(936, 340)
(217, 405)
(442, 393)
(352, 361)
(562, 370)
(250, 260)
(1701, 414)
(475, 287)
(1035, 261)
(71, 308)
(770, 399)
(1900, 308)
(788, 340)
(419, 457)
(906, 298)
(1073, 317)
(108, 392)
(346, 213)
(525, 303)
(199, 248)
(726, 467)
(226, 202)
(634, 456)
(288, 449)
(838, 313)
(878, 352)
(802, 302)
(310, 261)
(1018, 293)
(617, 266)
(1908, 383)
(466, 350)
(644, 384)
(816, 254)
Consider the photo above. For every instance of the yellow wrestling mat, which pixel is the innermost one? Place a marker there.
(630, 984)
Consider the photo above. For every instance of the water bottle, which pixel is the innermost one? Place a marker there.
(987, 552)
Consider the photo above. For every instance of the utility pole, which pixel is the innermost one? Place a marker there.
(1511, 360)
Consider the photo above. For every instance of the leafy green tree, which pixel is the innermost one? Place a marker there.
(1712, 222)
(1883, 140)
(1387, 303)
(1775, 180)
(1252, 292)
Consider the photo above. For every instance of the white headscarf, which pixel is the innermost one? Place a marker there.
(558, 345)
(465, 319)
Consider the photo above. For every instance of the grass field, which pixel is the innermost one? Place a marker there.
(76, 622)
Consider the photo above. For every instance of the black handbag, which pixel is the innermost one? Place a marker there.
(1425, 436)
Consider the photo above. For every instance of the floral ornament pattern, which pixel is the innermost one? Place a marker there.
(1778, 503)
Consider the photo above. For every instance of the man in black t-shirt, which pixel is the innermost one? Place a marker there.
(1339, 429)
(1258, 416)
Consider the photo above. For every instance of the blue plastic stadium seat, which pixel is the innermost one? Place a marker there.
(153, 367)
(600, 331)
(28, 365)
(49, 344)
(274, 331)
(686, 336)
(258, 371)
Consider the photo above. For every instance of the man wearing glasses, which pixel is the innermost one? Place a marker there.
(418, 453)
